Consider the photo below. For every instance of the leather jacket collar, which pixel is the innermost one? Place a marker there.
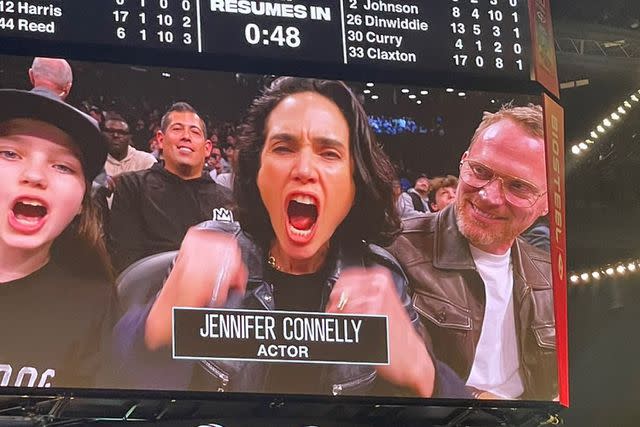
(451, 251)
(450, 247)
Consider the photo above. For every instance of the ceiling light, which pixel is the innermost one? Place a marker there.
(595, 275)
(461, 94)
(609, 271)
(366, 91)
(449, 89)
(615, 116)
(631, 267)
(634, 98)
(594, 135)
(621, 269)
(589, 141)
(574, 279)
(369, 84)
(405, 90)
(584, 276)
(575, 149)
(424, 92)
(374, 97)
(412, 96)
(600, 129)
(607, 122)
(583, 146)
(621, 110)
(418, 102)
(627, 104)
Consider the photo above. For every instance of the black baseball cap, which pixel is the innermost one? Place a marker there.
(40, 105)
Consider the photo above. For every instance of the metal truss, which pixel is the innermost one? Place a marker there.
(621, 48)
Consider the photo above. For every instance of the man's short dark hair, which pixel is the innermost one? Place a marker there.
(114, 116)
(422, 175)
(180, 107)
(373, 217)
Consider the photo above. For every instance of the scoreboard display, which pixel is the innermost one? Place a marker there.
(386, 89)
(464, 38)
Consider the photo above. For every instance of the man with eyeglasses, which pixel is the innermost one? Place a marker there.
(485, 295)
(122, 156)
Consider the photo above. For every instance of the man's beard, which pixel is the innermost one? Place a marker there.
(477, 233)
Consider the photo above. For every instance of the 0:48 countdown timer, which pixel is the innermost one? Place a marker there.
(278, 35)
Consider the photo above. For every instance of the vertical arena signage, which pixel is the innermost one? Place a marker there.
(554, 135)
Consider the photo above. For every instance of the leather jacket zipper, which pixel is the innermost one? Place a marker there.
(339, 389)
(221, 375)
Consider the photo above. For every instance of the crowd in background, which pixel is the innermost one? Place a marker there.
(132, 125)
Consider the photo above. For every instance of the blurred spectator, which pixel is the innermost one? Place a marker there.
(97, 114)
(394, 126)
(442, 192)
(154, 145)
(225, 178)
(140, 135)
(405, 184)
(400, 205)
(416, 200)
(214, 162)
(51, 75)
(122, 156)
(539, 234)
(215, 140)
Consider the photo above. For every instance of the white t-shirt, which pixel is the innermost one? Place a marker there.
(496, 362)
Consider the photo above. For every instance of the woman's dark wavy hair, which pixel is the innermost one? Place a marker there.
(373, 217)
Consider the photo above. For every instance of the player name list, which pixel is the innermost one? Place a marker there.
(377, 30)
(443, 35)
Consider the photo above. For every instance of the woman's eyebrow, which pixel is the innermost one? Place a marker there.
(324, 142)
(283, 136)
(328, 142)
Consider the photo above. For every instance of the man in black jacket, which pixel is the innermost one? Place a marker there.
(153, 208)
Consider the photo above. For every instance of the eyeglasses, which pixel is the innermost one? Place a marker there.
(517, 191)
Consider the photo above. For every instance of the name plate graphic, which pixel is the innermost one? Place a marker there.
(280, 336)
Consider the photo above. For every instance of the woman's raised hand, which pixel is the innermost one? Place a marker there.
(208, 267)
(372, 291)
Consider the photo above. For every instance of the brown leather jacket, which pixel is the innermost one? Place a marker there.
(448, 293)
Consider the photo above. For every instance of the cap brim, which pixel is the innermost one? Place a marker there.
(20, 104)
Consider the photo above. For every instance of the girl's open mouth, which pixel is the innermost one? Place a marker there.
(28, 215)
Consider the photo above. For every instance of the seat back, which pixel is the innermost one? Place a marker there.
(143, 279)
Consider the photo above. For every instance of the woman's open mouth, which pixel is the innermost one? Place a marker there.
(28, 215)
(302, 215)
